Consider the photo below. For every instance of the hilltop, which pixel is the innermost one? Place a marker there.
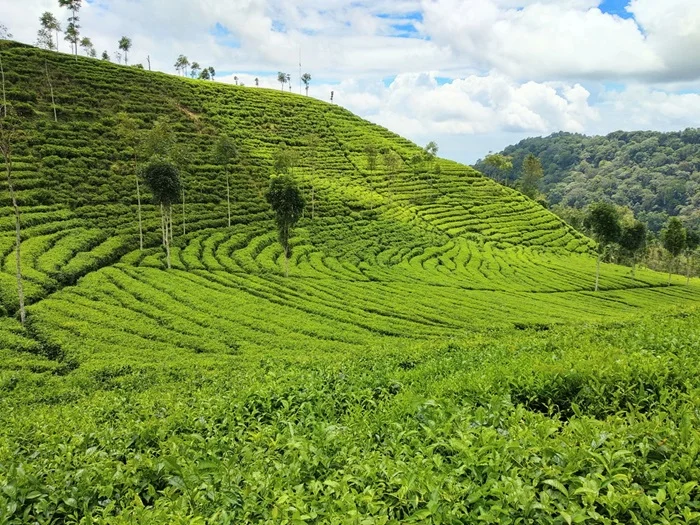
(656, 175)
(422, 362)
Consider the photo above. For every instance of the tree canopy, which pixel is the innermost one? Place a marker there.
(656, 175)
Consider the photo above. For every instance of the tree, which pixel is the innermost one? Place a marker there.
(127, 130)
(502, 164)
(105, 56)
(181, 65)
(9, 134)
(287, 202)
(212, 72)
(44, 40)
(289, 81)
(224, 152)
(86, 44)
(674, 239)
(49, 23)
(118, 57)
(125, 45)
(633, 239)
(163, 180)
(204, 75)
(257, 82)
(72, 32)
(692, 242)
(306, 79)
(531, 176)
(430, 151)
(603, 223)
(195, 68)
(53, 100)
(73, 36)
(282, 79)
(4, 33)
(2, 84)
(235, 79)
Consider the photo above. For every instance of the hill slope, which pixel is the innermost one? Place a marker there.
(655, 174)
(421, 363)
(408, 245)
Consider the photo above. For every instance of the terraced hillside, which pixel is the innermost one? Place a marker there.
(387, 263)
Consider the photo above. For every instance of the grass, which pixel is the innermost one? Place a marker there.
(435, 356)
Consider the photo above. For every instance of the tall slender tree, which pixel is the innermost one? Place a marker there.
(44, 40)
(86, 44)
(125, 45)
(306, 79)
(287, 202)
(164, 182)
(531, 176)
(603, 223)
(73, 30)
(9, 134)
(53, 100)
(633, 239)
(692, 242)
(224, 153)
(289, 81)
(282, 79)
(2, 84)
(674, 239)
(50, 23)
(195, 69)
(4, 33)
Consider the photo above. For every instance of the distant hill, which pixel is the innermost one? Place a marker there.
(656, 174)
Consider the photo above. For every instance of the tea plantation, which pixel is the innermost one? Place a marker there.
(436, 354)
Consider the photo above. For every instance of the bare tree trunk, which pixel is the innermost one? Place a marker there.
(18, 238)
(597, 271)
(53, 101)
(228, 199)
(184, 223)
(4, 98)
(138, 202)
(169, 211)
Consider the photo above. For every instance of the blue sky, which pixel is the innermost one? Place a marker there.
(473, 75)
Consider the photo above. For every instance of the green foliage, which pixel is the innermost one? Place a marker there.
(164, 182)
(603, 222)
(674, 237)
(288, 203)
(633, 237)
(654, 174)
(529, 182)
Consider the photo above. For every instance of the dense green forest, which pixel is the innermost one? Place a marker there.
(656, 175)
(420, 345)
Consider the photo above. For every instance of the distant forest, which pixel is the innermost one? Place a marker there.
(656, 175)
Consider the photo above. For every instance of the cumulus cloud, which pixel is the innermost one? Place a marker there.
(458, 69)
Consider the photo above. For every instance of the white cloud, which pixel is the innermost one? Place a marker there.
(476, 71)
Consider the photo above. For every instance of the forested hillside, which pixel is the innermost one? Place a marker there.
(655, 174)
(435, 351)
